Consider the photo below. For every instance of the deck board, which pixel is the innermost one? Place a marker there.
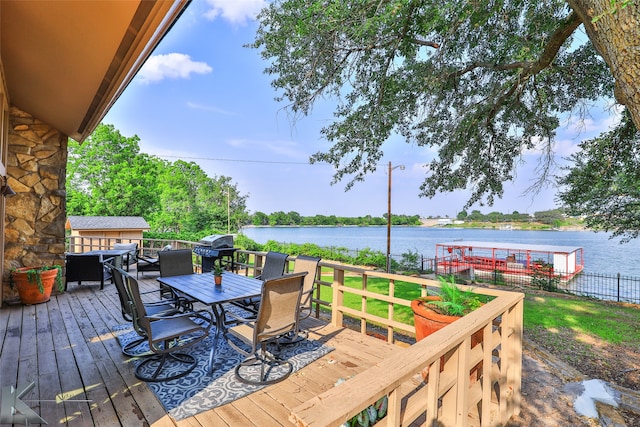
(75, 357)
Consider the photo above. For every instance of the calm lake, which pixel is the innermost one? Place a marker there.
(601, 254)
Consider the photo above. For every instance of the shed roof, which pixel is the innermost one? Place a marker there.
(107, 223)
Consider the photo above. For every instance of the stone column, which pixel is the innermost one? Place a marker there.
(35, 216)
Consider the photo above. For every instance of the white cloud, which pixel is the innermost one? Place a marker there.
(234, 11)
(172, 66)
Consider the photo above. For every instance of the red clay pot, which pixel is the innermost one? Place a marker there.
(427, 321)
(28, 290)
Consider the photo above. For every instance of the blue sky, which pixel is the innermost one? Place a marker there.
(203, 97)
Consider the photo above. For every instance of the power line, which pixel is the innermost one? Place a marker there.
(236, 160)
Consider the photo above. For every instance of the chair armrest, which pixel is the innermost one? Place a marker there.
(202, 314)
(239, 319)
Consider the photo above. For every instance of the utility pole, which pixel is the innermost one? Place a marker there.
(389, 216)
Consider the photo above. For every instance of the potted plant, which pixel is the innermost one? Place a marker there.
(450, 303)
(217, 273)
(35, 284)
(434, 312)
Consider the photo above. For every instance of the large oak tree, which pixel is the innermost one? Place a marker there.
(480, 81)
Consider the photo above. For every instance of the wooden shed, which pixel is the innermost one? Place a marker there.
(112, 228)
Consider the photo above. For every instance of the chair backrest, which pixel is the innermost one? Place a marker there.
(141, 323)
(84, 267)
(310, 265)
(175, 263)
(279, 305)
(131, 247)
(125, 299)
(273, 265)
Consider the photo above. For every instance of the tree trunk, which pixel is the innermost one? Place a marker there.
(616, 36)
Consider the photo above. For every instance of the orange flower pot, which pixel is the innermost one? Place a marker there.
(428, 321)
(28, 289)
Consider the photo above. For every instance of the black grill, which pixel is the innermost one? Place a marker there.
(215, 248)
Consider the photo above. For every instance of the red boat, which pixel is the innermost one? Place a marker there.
(472, 257)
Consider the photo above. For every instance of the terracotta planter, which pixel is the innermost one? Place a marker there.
(28, 290)
(427, 321)
(217, 280)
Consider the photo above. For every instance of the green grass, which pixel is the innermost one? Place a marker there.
(405, 290)
(613, 323)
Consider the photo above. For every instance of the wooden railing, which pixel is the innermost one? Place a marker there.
(80, 244)
(443, 380)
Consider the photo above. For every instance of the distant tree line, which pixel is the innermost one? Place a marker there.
(295, 219)
(551, 217)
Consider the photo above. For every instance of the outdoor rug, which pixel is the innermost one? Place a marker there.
(200, 390)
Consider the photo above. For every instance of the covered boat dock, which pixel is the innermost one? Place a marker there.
(472, 257)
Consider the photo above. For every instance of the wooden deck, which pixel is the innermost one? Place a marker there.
(66, 347)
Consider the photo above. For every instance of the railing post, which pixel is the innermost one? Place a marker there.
(618, 296)
(338, 298)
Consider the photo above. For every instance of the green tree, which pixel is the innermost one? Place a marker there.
(604, 183)
(481, 81)
(260, 218)
(279, 218)
(194, 202)
(551, 217)
(107, 175)
(476, 215)
(295, 218)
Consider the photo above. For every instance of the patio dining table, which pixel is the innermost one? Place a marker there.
(201, 287)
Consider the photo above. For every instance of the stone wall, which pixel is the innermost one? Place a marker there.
(35, 216)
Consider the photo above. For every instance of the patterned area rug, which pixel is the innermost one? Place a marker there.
(200, 390)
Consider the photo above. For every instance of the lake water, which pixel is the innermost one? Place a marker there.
(601, 254)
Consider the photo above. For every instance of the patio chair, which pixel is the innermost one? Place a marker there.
(176, 263)
(167, 336)
(274, 265)
(153, 308)
(132, 257)
(307, 264)
(147, 263)
(86, 268)
(277, 316)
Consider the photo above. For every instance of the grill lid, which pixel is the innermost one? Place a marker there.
(216, 241)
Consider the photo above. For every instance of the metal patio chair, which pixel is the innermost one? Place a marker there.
(168, 336)
(277, 316)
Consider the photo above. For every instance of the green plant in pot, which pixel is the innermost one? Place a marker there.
(35, 284)
(451, 302)
(217, 273)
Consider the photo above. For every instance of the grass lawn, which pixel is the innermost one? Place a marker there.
(611, 323)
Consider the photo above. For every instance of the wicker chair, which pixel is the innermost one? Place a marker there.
(86, 268)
